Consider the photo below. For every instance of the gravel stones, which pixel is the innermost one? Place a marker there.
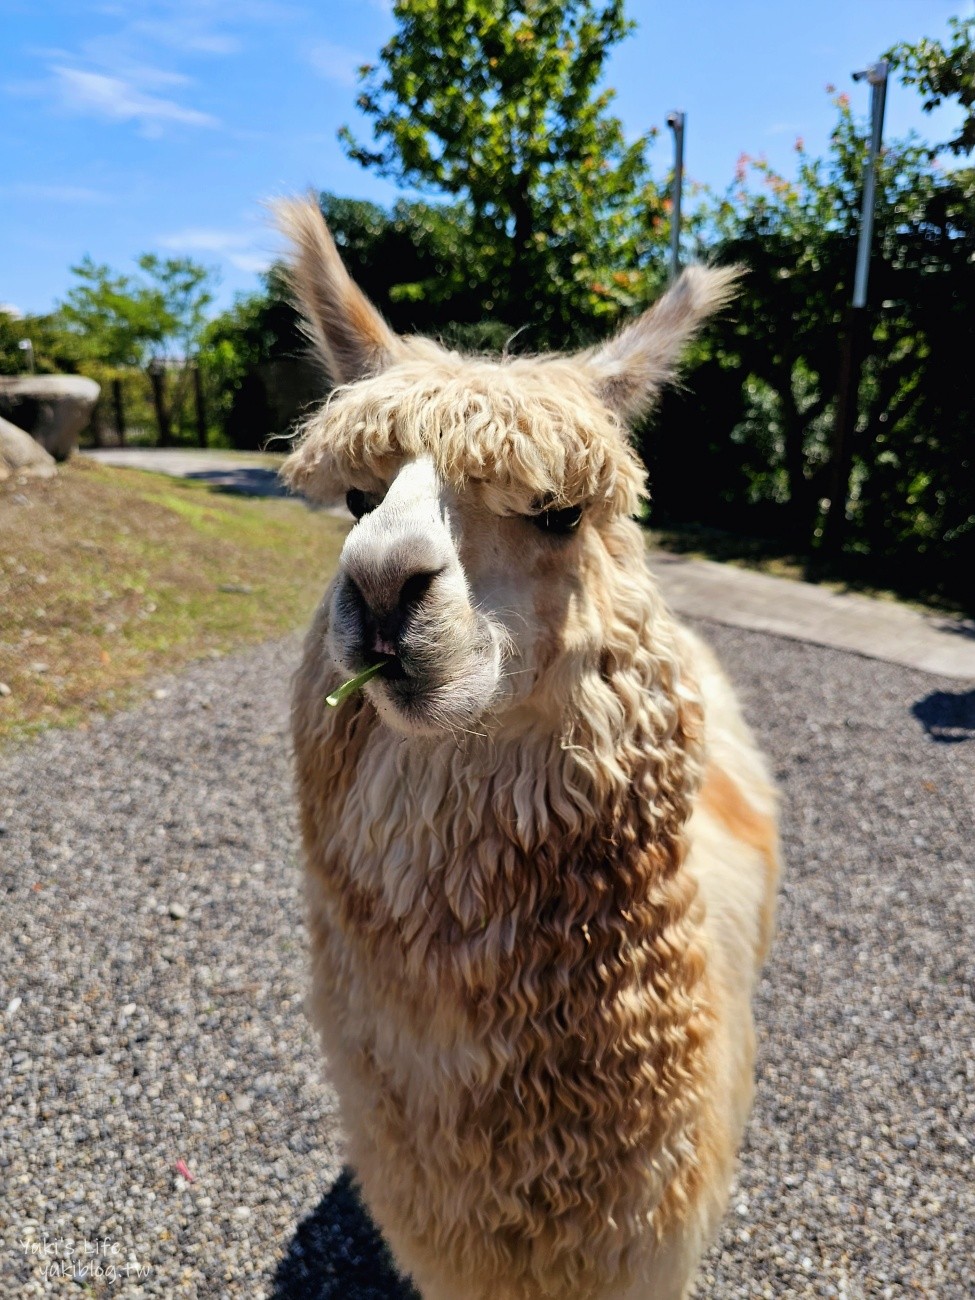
(133, 1037)
(858, 1173)
(142, 1039)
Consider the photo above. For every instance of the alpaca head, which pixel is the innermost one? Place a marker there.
(492, 497)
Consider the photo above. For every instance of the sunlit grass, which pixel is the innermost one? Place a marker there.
(109, 577)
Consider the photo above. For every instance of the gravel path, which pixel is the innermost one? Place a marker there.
(152, 970)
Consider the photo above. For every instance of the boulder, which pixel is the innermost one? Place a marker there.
(52, 408)
(20, 454)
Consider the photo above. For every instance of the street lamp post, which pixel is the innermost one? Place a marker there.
(855, 333)
(876, 76)
(676, 121)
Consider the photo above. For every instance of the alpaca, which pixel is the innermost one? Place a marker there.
(541, 844)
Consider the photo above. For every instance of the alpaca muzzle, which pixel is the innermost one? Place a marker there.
(402, 598)
(384, 620)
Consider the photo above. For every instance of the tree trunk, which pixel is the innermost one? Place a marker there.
(119, 409)
(524, 216)
(201, 410)
(157, 377)
(95, 423)
(524, 222)
(794, 437)
(847, 396)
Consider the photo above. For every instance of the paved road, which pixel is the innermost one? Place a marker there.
(249, 473)
(152, 968)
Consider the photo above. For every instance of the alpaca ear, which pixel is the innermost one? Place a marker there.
(630, 370)
(350, 337)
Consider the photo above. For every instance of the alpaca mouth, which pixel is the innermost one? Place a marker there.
(406, 685)
(427, 681)
(392, 669)
(404, 694)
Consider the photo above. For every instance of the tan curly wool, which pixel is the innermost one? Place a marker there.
(533, 948)
(524, 429)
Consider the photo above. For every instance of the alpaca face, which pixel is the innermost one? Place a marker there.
(490, 494)
(403, 596)
(480, 601)
(466, 597)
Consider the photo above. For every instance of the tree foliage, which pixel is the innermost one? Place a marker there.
(755, 437)
(944, 71)
(123, 320)
(237, 347)
(55, 351)
(497, 104)
(537, 212)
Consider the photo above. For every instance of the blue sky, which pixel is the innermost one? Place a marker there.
(164, 124)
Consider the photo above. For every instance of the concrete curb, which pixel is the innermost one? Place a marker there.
(877, 629)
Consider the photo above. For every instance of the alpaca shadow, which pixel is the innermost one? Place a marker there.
(946, 717)
(964, 627)
(243, 480)
(338, 1254)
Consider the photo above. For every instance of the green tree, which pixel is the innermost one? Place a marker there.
(184, 290)
(239, 345)
(11, 332)
(943, 71)
(412, 262)
(755, 441)
(497, 104)
(55, 350)
(122, 322)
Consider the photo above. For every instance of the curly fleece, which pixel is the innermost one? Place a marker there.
(533, 955)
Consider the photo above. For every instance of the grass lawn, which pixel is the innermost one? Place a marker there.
(109, 577)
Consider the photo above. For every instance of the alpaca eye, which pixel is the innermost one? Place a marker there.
(559, 522)
(359, 503)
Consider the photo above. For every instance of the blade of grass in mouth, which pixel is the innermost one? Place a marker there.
(353, 684)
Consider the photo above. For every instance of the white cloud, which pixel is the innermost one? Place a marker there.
(114, 55)
(206, 239)
(197, 27)
(253, 263)
(114, 99)
(335, 63)
(188, 35)
(238, 247)
(106, 75)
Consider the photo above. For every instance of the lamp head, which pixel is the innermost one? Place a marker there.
(875, 75)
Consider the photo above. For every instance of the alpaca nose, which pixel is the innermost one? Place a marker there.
(385, 612)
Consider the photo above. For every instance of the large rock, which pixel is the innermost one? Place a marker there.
(20, 454)
(52, 408)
